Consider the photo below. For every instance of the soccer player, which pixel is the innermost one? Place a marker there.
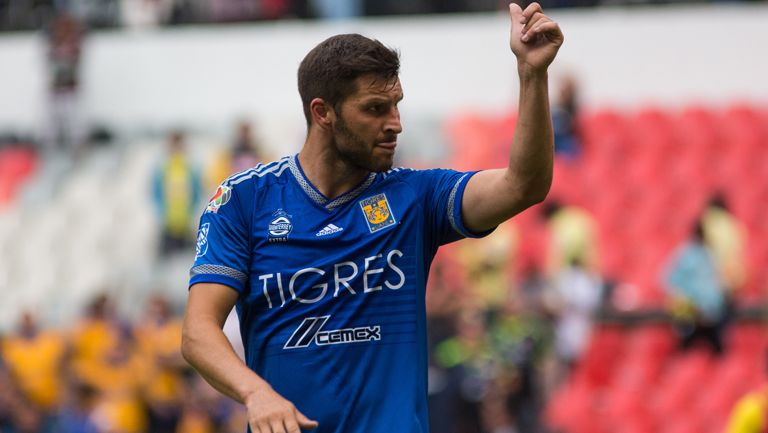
(325, 254)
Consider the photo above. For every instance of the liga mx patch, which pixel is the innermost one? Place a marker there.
(223, 193)
(202, 240)
(378, 213)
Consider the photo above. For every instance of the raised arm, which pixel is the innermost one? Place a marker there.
(493, 196)
(207, 349)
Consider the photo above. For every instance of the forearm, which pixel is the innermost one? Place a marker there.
(207, 349)
(531, 156)
(493, 196)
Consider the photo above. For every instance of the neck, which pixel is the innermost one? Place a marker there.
(325, 169)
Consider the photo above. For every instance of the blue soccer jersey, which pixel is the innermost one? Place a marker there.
(332, 292)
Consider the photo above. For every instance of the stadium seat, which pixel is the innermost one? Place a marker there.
(16, 165)
(571, 408)
(681, 424)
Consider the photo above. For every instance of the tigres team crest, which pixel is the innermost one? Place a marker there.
(219, 199)
(378, 213)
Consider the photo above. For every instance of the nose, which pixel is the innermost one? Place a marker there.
(393, 125)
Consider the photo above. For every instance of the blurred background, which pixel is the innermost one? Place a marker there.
(632, 301)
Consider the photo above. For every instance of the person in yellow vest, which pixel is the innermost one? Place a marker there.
(176, 191)
(34, 359)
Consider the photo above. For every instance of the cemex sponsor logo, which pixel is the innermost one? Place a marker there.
(310, 331)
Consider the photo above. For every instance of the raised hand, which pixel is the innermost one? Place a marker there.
(534, 38)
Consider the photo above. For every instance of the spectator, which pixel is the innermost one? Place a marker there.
(35, 358)
(76, 414)
(565, 115)
(65, 129)
(699, 303)
(726, 237)
(486, 262)
(159, 339)
(337, 9)
(95, 334)
(176, 192)
(16, 413)
(577, 296)
(465, 361)
(572, 237)
(245, 153)
(118, 378)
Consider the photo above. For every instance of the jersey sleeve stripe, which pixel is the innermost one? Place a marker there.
(454, 208)
(218, 270)
(452, 205)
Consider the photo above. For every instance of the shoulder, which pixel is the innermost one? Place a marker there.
(259, 175)
(243, 186)
(398, 173)
(415, 175)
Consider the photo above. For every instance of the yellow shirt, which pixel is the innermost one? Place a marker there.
(119, 409)
(159, 343)
(572, 236)
(92, 340)
(725, 236)
(486, 261)
(36, 364)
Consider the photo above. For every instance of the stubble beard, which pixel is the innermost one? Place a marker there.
(355, 151)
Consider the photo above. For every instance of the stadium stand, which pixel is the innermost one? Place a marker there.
(646, 176)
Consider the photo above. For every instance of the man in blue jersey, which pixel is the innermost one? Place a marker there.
(325, 254)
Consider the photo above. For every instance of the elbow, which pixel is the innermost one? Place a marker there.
(537, 189)
(187, 346)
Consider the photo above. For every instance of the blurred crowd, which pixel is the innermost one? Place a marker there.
(506, 327)
(504, 334)
(105, 374)
(36, 14)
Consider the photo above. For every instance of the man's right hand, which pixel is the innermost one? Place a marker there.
(269, 412)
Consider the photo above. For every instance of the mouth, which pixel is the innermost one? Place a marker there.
(389, 145)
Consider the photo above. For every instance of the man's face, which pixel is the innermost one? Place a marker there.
(367, 124)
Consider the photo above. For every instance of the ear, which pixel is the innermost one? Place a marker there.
(322, 113)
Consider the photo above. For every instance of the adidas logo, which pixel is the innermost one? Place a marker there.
(329, 229)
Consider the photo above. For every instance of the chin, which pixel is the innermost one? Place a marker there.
(381, 164)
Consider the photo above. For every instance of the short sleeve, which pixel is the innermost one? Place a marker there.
(443, 193)
(222, 253)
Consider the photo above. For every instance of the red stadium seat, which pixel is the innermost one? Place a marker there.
(16, 165)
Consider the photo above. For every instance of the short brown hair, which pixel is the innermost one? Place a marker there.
(331, 68)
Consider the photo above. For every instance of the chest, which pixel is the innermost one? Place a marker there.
(307, 254)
